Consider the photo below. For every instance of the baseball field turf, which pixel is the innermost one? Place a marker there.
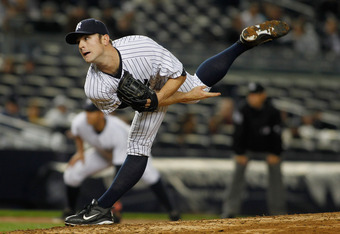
(13, 220)
(37, 222)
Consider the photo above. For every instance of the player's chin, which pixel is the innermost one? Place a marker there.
(87, 58)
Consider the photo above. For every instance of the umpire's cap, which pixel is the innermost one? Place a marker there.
(86, 27)
(89, 106)
(255, 87)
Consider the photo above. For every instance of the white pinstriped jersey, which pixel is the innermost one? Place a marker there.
(147, 61)
(112, 138)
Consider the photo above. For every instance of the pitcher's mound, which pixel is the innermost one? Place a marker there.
(301, 223)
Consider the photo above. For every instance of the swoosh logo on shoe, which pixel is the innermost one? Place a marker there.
(89, 217)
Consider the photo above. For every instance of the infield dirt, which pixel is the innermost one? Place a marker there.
(299, 223)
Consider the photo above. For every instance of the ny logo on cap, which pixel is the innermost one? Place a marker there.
(78, 26)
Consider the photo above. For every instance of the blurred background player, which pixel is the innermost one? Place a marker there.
(59, 116)
(257, 135)
(107, 136)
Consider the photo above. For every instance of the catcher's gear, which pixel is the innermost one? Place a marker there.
(134, 93)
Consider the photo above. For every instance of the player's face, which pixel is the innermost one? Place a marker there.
(90, 47)
(256, 100)
(93, 117)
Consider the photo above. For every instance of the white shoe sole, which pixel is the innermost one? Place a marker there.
(100, 223)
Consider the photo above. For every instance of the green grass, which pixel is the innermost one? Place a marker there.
(30, 213)
(12, 226)
(9, 226)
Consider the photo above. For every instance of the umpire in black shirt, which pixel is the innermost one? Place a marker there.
(257, 135)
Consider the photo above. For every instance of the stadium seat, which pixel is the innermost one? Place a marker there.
(26, 91)
(49, 92)
(221, 141)
(316, 104)
(36, 81)
(196, 141)
(47, 60)
(167, 140)
(72, 61)
(62, 82)
(10, 80)
(300, 93)
(5, 90)
(335, 104)
(76, 93)
(49, 71)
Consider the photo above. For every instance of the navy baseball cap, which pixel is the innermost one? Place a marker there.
(89, 106)
(86, 27)
(255, 87)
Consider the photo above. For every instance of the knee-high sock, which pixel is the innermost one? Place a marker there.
(159, 190)
(128, 175)
(215, 68)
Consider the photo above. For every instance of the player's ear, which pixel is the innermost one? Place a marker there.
(106, 39)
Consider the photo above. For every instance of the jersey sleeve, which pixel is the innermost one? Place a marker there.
(167, 65)
(164, 63)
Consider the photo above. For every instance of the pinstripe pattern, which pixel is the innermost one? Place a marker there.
(147, 61)
(143, 131)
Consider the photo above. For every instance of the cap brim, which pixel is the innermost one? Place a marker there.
(90, 108)
(71, 38)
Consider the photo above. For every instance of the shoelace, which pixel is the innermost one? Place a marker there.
(87, 208)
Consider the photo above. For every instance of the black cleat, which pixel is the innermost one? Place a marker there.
(261, 33)
(92, 214)
(174, 216)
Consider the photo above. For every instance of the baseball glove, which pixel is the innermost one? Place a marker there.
(134, 93)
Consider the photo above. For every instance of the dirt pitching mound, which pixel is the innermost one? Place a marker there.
(301, 223)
